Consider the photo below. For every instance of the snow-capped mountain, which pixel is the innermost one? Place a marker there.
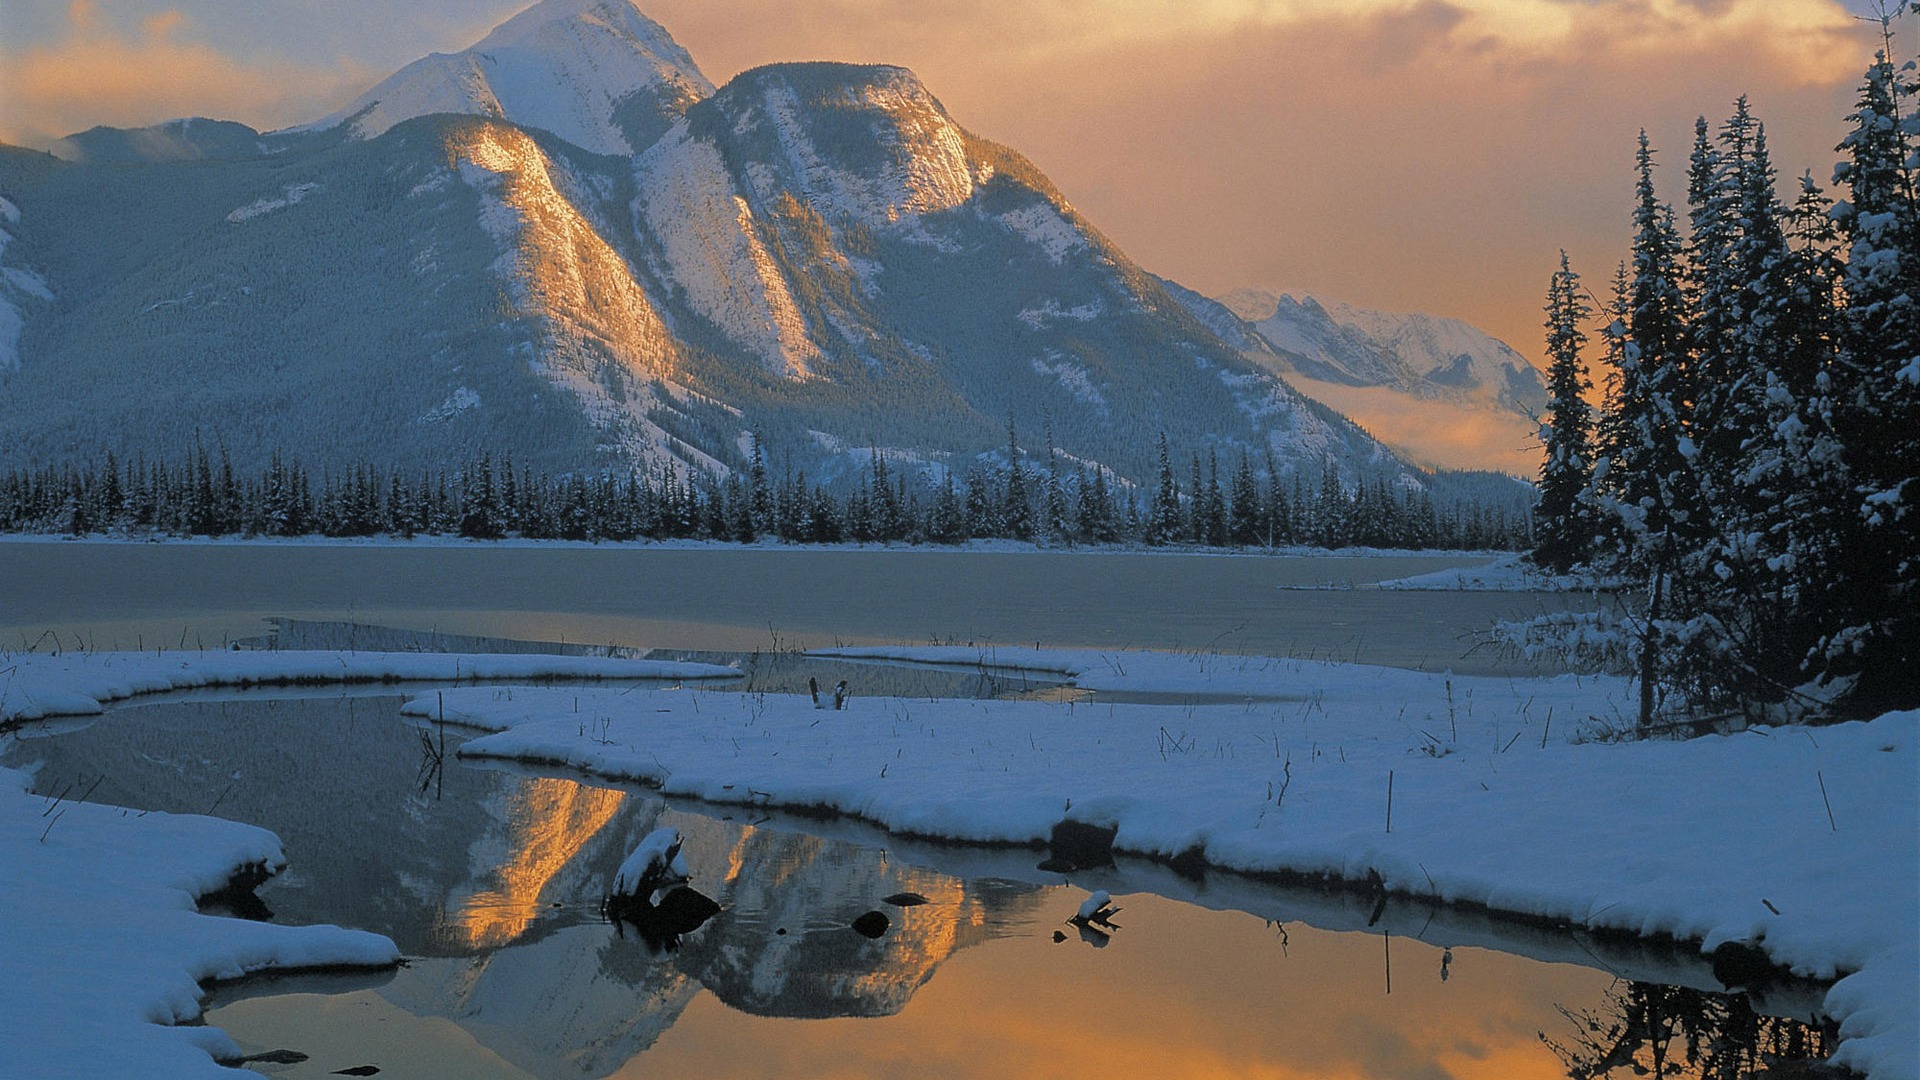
(565, 245)
(1435, 389)
(597, 73)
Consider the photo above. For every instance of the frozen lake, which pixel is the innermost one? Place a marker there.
(128, 595)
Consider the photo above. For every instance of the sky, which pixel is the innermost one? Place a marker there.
(1408, 155)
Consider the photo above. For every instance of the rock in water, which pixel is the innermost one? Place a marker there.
(654, 862)
(1094, 906)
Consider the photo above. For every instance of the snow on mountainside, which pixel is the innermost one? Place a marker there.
(16, 284)
(564, 245)
(1438, 390)
(597, 73)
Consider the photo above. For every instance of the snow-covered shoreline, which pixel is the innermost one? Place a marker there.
(102, 952)
(35, 686)
(1505, 794)
(1712, 840)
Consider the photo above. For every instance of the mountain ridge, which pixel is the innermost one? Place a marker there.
(1446, 393)
(814, 256)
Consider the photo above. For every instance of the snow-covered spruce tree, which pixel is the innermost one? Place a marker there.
(1760, 603)
(1054, 500)
(1163, 517)
(1876, 399)
(1244, 506)
(1711, 273)
(760, 506)
(1645, 474)
(1213, 505)
(1016, 510)
(1563, 518)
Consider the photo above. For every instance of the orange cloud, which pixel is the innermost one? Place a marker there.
(84, 15)
(95, 76)
(164, 23)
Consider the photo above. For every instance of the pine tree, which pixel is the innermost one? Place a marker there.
(1214, 507)
(1244, 506)
(1054, 501)
(479, 506)
(1649, 474)
(1563, 518)
(1876, 400)
(1016, 508)
(946, 521)
(1711, 273)
(1163, 517)
(981, 518)
(760, 506)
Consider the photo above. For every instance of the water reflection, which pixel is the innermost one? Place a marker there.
(1673, 1031)
(492, 888)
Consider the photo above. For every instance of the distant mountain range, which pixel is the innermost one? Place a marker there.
(1438, 391)
(566, 245)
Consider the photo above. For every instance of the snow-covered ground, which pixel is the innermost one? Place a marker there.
(101, 949)
(1718, 839)
(1509, 573)
(1503, 792)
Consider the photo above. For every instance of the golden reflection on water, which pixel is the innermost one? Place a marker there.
(1178, 992)
(548, 822)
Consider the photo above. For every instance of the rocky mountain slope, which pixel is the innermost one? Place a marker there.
(564, 245)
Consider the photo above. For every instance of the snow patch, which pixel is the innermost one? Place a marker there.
(1051, 311)
(15, 283)
(1041, 224)
(1073, 377)
(289, 195)
(462, 399)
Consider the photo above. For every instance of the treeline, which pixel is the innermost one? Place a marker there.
(1754, 467)
(206, 495)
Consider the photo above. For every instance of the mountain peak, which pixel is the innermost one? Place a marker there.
(864, 140)
(598, 73)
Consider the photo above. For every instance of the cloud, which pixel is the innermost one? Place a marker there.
(98, 74)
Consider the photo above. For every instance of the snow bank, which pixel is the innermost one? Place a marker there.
(1715, 839)
(34, 686)
(101, 947)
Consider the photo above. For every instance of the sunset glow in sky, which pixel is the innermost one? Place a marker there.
(1413, 155)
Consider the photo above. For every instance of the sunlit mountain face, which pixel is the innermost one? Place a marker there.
(565, 246)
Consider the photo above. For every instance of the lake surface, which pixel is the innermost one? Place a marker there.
(489, 879)
(132, 595)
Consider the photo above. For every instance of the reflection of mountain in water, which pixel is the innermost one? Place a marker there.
(492, 878)
(336, 778)
(784, 946)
